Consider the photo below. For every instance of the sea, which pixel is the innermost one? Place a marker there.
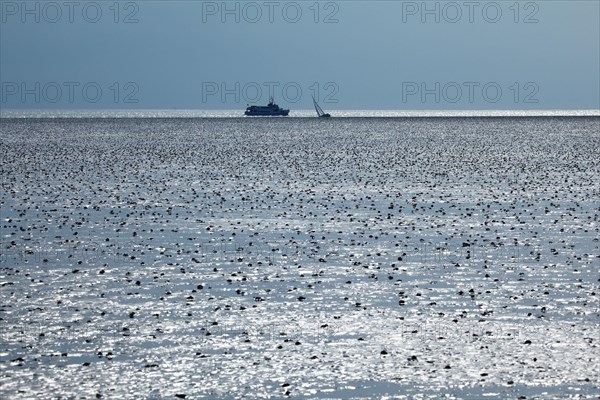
(376, 254)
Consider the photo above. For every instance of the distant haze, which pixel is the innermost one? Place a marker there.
(348, 54)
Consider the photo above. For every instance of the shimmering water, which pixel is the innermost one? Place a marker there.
(300, 258)
(119, 113)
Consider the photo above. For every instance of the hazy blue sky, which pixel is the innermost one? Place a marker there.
(351, 54)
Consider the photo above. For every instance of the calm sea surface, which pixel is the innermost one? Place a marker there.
(293, 114)
(353, 257)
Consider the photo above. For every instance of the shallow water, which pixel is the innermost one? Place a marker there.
(300, 258)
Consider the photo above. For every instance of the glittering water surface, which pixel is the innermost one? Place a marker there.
(294, 113)
(300, 258)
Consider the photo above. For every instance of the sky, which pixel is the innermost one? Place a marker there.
(413, 55)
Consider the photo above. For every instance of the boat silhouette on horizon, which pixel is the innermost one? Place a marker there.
(320, 112)
(270, 110)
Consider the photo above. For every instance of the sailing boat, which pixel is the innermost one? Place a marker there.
(320, 112)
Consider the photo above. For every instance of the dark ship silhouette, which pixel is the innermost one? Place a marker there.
(270, 110)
